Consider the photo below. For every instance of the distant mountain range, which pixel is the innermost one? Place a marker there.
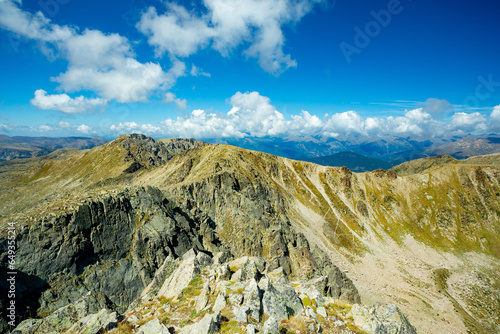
(394, 150)
(354, 161)
(29, 147)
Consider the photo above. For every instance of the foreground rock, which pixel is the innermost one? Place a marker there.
(381, 319)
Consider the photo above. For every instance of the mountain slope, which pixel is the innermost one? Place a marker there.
(428, 242)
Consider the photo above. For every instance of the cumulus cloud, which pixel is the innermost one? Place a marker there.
(253, 115)
(133, 127)
(66, 104)
(83, 128)
(44, 128)
(37, 26)
(180, 103)
(226, 25)
(465, 123)
(99, 62)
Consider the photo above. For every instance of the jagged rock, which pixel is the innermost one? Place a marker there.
(222, 257)
(235, 299)
(277, 276)
(280, 301)
(271, 326)
(310, 312)
(241, 313)
(204, 260)
(252, 299)
(251, 329)
(62, 319)
(95, 323)
(209, 324)
(310, 290)
(381, 319)
(220, 303)
(180, 278)
(322, 311)
(166, 269)
(202, 299)
(238, 276)
(28, 326)
(153, 327)
(223, 272)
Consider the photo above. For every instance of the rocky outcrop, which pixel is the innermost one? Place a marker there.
(111, 246)
(265, 303)
(381, 319)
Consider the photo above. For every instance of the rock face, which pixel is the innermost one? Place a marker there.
(381, 319)
(111, 246)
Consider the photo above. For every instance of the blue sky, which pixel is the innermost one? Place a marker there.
(234, 68)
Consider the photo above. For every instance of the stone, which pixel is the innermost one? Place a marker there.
(252, 296)
(280, 301)
(208, 325)
(204, 260)
(220, 303)
(223, 272)
(180, 278)
(97, 323)
(235, 299)
(166, 269)
(28, 326)
(271, 326)
(153, 327)
(251, 329)
(202, 299)
(381, 319)
(322, 311)
(310, 312)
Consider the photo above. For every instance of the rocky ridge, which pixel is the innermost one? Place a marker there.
(205, 294)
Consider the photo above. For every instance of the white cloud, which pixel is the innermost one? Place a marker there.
(495, 114)
(64, 125)
(44, 128)
(176, 32)
(83, 128)
(66, 104)
(253, 115)
(133, 127)
(467, 123)
(27, 25)
(226, 25)
(103, 63)
(196, 71)
(180, 103)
